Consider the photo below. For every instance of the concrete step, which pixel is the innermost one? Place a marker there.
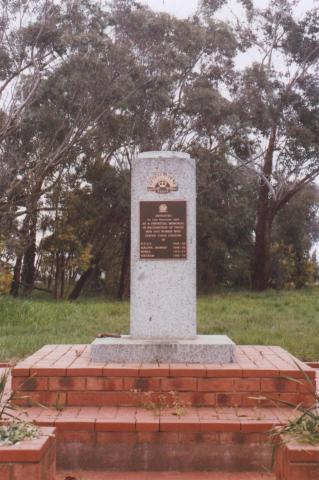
(93, 475)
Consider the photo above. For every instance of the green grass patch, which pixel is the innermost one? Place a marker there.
(289, 319)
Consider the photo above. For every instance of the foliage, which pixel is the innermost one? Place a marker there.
(295, 230)
(85, 256)
(12, 429)
(225, 236)
(275, 136)
(106, 80)
(283, 265)
(304, 427)
(225, 239)
(5, 279)
(16, 432)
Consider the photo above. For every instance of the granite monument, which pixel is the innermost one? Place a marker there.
(163, 325)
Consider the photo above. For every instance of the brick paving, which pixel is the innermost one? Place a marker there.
(74, 360)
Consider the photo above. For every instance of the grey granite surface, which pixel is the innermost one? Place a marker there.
(204, 349)
(163, 292)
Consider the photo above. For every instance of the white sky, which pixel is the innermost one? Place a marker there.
(184, 8)
(181, 8)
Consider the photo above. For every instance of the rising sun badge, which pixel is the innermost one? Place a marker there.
(162, 183)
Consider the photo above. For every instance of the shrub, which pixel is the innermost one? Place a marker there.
(5, 280)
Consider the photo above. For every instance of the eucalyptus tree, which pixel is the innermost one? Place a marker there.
(123, 86)
(77, 110)
(29, 46)
(226, 209)
(117, 87)
(295, 232)
(274, 98)
(29, 43)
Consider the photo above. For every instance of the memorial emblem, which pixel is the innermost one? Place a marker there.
(162, 183)
(162, 208)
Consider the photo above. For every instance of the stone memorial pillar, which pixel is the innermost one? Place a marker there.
(163, 270)
(163, 251)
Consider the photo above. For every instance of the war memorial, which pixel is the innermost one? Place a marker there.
(162, 398)
(163, 269)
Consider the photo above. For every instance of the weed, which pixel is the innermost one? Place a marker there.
(304, 427)
(12, 429)
(159, 402)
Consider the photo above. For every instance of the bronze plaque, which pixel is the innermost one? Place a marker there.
(163, 230)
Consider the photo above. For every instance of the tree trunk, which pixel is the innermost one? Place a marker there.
(16, 277)
(57, 276)
(81, 282)
(124, 286)
(265, 216)
(16, 282)
(28, 269)
(62, 274)
(50, 277)
(262, 247)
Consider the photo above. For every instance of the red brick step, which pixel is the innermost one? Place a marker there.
(130, 438)
(112, 417)
(260, 376)
(166, 475)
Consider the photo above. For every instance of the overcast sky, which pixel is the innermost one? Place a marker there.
(184, 8)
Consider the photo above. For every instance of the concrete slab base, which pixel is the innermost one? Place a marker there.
(126, 349)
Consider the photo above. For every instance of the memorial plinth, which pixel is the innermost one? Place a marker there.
(163, 269)
(202, 349)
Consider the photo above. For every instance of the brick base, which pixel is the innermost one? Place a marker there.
(31, 459)
(296, 462)
(162, 417)
(132, 439)
(163, 451)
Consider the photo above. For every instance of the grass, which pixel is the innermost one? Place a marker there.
(289, 319)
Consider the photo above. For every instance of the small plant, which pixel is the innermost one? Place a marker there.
(6, 408)
(157, 403)
(304, 427)
(17, 431)
(178, 405)
(149, 402)
(59, 403)
(12, 428)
